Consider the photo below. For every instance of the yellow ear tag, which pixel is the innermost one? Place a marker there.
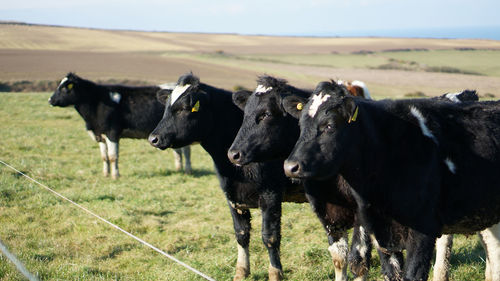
(300, 106)
(354, 116)
(196, 107)
(70, 86)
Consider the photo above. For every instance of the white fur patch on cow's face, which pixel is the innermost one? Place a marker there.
(261, 89)
(115, 97)
(177, 92)
(317, 100)
(451, 165)
(63, 80)
(453, 97)
(421, 122)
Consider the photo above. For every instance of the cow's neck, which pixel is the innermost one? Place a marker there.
(226, 123)
(87, 106)
(88, 112)
(363, 152)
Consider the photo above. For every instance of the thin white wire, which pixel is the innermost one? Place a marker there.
(111, 224)
(17, 263)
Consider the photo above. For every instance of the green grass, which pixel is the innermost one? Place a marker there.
(184, 215)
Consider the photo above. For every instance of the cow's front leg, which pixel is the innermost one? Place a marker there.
(177, 158)
(339, 249)
(419, 248)
(271, 233)
(104, 151)
(335, 221)
(360, 254)
(187, 159)
(443, 254)
(241, 223)
(391, 264)
(105, 159)
(490, 238)
(113, 157)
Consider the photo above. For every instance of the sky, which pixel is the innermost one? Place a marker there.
(270, 17)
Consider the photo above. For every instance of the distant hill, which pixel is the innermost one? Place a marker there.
(43, 37)
(36, 56)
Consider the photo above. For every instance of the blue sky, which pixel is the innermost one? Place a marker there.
(274, 17)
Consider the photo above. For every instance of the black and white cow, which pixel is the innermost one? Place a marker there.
(488, 237)
(112, 112)
(197, 112)
(268, 132)
(430, 165)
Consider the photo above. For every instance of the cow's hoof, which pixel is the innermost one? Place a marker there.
(115, 177)
(275, 274)
(178, 167)
(188, 171)
(359, 268)
(360, 278)
(241, 273)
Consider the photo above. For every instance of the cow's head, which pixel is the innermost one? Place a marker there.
(268, 131)
(186, 118)
(326, 133)
(463, 96)
(68, 92)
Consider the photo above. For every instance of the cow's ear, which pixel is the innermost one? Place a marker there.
(240, 98)
(294, 105)
(350, 110)
(468, 95)
(162, 95)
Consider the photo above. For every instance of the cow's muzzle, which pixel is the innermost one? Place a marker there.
(292, 169)
(156, 141)
(236, 157)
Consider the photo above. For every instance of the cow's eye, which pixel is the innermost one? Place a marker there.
(327, 128)
(263, 116)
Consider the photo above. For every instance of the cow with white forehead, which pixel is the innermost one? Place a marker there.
(112, 112)
(198, 113)
(427, 164)
(269, 131)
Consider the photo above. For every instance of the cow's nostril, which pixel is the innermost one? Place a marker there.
(236, 156)
(292, 168)
(153, 140)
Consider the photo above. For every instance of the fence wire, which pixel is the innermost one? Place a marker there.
(110, 224)
(19, 265)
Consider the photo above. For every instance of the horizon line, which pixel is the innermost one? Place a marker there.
(306, 35)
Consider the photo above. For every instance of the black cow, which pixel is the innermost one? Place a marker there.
(197, 112)
(428, 164)
(269, 132)
(112, 112)
(488, 237)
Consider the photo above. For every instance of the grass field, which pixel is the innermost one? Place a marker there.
(184, 215)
